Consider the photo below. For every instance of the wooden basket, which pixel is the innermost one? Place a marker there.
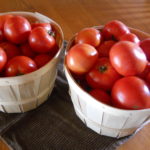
(104, 119)
(26, 92)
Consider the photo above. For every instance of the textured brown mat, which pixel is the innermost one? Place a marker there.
(53, 126)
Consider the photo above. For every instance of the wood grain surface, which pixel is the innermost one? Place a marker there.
(74, 15)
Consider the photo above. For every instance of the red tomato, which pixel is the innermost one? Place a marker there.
(42, 59)
(20, 65)
(27, 50)
(40, 41)
(81, 57)
(101, 96)
(102, 75)
(131, 93)
(106, 35)
(116, 28)
(148, 78)
(105, 47)
(10, 49)
(17, 29)
(127, 58)
(46, 26)
(145, 72)
(1, 36)
(130, 37)
(3, 19)
(3, 58)
(89, 36)
(54, 50)
(145, 45)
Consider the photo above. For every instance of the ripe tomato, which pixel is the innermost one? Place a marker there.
(27, 50)
(10, 49)
(3, 19)
(101, 96)
(54, 50)
(127, 58)
(131, 93)
(130, 37)
(102, 75)
(3, 58)
(106, 35)
(42, 59)
(105, 47)
(148, 79)
(20, 65)
(81, 57)
(145, 45)
(145, 72)
(17, 29)
(89, 36)
(40, 41)
(1, 36)
(116, 28)
(46, 26)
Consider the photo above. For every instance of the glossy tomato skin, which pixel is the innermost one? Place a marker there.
(145, 45)
(105, 47)
(3, 19)
(42, 59)
(3, 59)
(116, 28)
(10, 49)
(81, 57)
(17, 29)
(144, 74)
(89, 36)
(46, 26)
(20, 65)
(106, 35)
(40, 41)
(102, 75)
(127, 58)
(27, 50)
(101, 96)
(148, 79)
(131, 93)
(1, 36)
(130, 37)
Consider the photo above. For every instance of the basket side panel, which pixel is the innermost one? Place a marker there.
(28, 106)
(8, 93)
(112, 121)
(46, 79)
(136, 120)
(27, 90)
(12, 108)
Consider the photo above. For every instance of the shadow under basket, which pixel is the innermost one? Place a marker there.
(27, 92)
(102, 118)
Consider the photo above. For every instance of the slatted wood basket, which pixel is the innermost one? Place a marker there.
(101, 118)
(27, 92)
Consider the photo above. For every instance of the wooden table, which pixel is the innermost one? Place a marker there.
(74, 15)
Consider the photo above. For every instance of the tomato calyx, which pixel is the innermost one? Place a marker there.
(51, 33)
(102, 69)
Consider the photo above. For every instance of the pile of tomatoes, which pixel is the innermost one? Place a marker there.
(24, 46)
(113, 65)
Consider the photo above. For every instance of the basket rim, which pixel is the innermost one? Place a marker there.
(68, 73)
(36, 15)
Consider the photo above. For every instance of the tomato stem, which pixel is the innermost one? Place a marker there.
(102, 68)
(51, 33)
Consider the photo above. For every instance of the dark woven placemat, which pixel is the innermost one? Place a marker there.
(52, 126)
